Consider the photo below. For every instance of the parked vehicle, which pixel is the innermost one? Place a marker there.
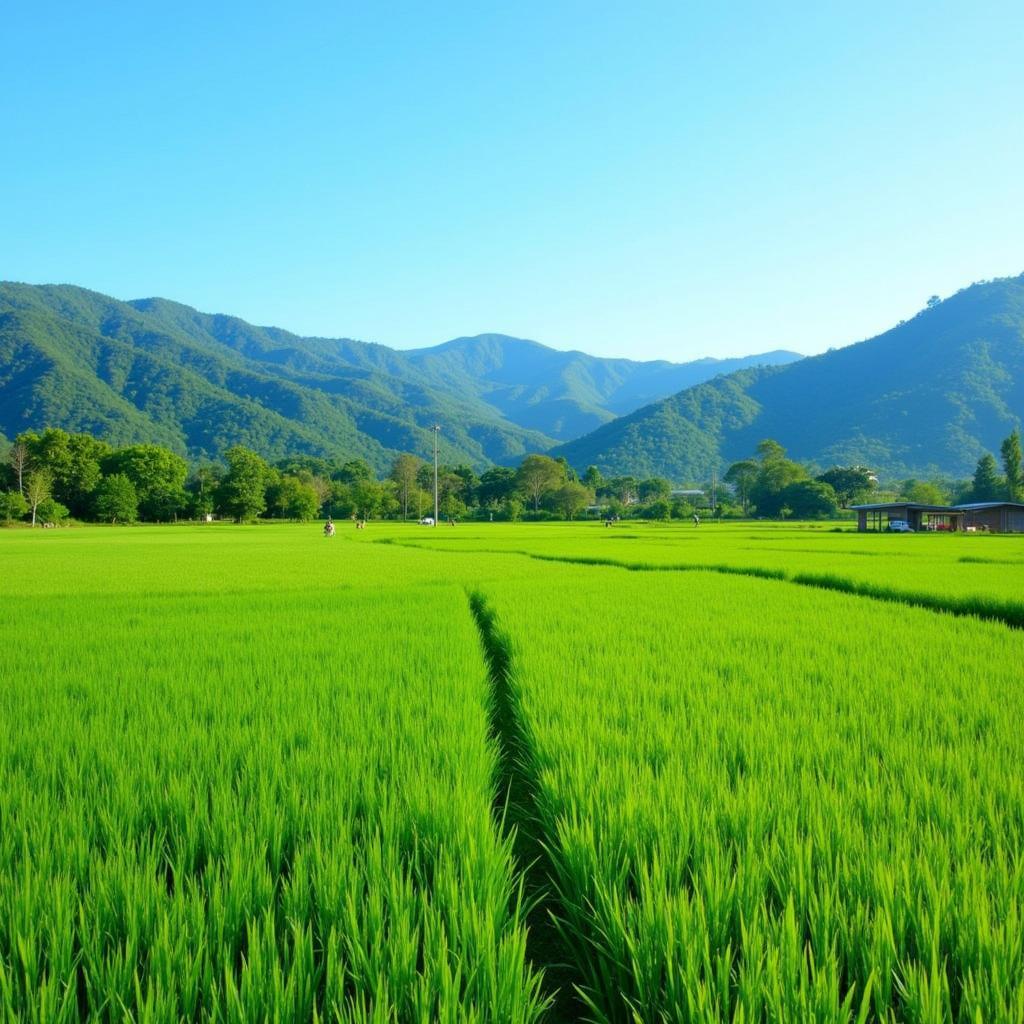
(900, 526)
(427, 521)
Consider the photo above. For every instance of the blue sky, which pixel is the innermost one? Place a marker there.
(654, 180)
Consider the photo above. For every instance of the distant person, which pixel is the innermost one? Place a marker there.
(696, 519)
(329, 528)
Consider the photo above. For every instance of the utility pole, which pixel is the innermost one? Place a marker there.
(714, 491)
(437, 430)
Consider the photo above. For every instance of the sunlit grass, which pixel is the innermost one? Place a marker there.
(248, 773)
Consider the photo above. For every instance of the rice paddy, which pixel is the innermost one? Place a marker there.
(496, 773)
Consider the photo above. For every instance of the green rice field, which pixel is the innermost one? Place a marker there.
(511, 773)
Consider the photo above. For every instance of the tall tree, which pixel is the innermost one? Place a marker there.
(291, 498)
(158, 475)
(38, 486)
(73, 463)
(404, 472)
(1010, 450)
(654, 488)
(742, 475)
(809, 499)
(537, 475)
(243, 491)
(354, 471)
(18, 457)
(571, 498)
(987, 484)
(117, 500)
(775, 473)
(496, 485)
(850, 483)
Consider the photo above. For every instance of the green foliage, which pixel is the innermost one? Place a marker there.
(571, 498)
(117, 499)
(161, 373)
(12, 506)
(243, 491)
(52, 511)
(38, 488)
(72, 462)
(497, 485)
(654, 489)
(743, 476)
(809, 499)
(775, 474)
(290, 498)
(405, 473)
(158, 476)
(661, 509)
(987, 484)
(537, 476)
(851, 484)
(1011, 452)
(925, 492)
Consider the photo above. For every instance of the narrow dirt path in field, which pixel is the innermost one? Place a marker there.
(517, 813)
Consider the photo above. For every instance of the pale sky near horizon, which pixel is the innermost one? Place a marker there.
(653, 180)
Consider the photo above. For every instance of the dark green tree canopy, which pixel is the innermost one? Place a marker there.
(851, 484)
(117, 500)
(987, 484)
(243, 491)
(1011, 453)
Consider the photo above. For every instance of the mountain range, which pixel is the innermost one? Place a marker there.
(156, 370)
(928, 397)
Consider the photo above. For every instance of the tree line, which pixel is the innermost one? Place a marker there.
(771, 485)
(53, 475)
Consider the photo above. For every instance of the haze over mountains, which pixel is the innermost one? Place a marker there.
(156, 370)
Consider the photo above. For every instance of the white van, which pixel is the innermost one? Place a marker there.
(427, 521)
(900, 526)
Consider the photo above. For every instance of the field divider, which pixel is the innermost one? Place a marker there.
(518, 813)
(1008, 614)
(977, 606)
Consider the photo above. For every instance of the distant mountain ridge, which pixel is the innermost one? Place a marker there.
(565, 394)
(928, 397)
(157, 370)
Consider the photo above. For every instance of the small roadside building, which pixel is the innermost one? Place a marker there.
(996, 516)
(919, 517)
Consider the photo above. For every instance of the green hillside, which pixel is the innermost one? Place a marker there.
(146, 372)
(564, 394)
(929, 396)
(156, 370)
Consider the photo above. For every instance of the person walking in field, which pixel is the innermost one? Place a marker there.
(696, 519)
(329, 528)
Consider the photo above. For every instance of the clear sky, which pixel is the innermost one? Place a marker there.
(656, 180)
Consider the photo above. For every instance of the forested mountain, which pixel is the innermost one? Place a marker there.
(929, 396)
(155, 370)
(564, 394)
